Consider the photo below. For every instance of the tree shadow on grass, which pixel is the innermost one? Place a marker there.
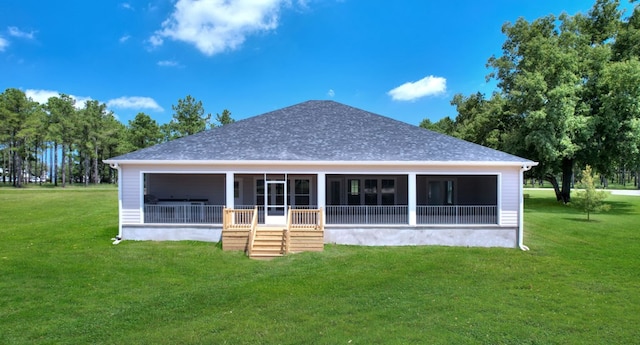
(619, 208)
(582, 220)
(551, 206)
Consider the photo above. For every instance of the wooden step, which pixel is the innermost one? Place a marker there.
(264, 256)
(271, 228)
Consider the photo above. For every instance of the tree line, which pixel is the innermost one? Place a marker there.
(567, 96)
(62, 143)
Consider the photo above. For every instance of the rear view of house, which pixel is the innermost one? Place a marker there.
(371, 180)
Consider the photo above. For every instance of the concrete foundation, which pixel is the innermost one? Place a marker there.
(414, 236)
(146, 232)
(362, 236)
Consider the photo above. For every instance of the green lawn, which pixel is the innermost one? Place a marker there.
(63, 282)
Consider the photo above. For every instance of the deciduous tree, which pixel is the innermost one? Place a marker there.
(589, 200)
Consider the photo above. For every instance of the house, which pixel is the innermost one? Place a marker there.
(373, 181)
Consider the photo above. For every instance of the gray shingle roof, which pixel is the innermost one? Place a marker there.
(320, 131)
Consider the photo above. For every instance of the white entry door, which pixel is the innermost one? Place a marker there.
(275, 202)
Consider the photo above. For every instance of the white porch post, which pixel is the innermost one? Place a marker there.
(412, 198)
(322, 193)
(229, 190)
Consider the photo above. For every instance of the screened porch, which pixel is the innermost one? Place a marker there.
(348, 199)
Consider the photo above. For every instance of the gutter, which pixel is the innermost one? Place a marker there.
(523, 168)
(117, 167)
(113, 162)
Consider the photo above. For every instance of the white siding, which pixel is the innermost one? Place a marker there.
(131, 196)
(132, 189)
(510, 194)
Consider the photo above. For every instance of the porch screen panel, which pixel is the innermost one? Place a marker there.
(441, 192)
(370, 192)
(388, 192)
(260, 192)
(448, 192)
(302, 192)
(335, 193)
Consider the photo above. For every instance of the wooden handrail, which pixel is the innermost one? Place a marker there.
(237, 219)
(306, 219)
(287, 233)
(253, 231)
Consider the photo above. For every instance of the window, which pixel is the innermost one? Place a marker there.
(448, 192)
(388, 192)
(301, 192)
(353, 197)
(370, 192)
(367, 191)
(441, 192)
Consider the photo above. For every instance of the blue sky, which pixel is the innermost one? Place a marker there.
(403, 59)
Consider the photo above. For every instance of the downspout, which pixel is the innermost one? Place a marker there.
(118, 238)
(521, 208)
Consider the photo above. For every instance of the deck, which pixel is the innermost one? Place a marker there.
(304, 231)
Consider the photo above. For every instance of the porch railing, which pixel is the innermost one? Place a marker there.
(261, 210)
(456, 214)
(213, 214)
(189, 214)
(235, 219)
(367, 215)
(251, 207)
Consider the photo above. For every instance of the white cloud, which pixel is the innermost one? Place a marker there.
(3, 44)
(156, 41)
(15, 32)
(124, 38)
(331, 93)
(126, 6)
(428, 86)
(215, 26)
(42, 96)
(168, 63)
(134, 103)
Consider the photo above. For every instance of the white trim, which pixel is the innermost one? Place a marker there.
(499, 201)
(141, 196)
(412, 197)
(321, 163)
(229, 189)
(321, 193)
(263, 170)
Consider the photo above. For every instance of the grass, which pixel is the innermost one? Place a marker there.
(611, 185)
(62, 281)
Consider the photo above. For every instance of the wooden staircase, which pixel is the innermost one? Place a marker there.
(268, 242)
(303, 232)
